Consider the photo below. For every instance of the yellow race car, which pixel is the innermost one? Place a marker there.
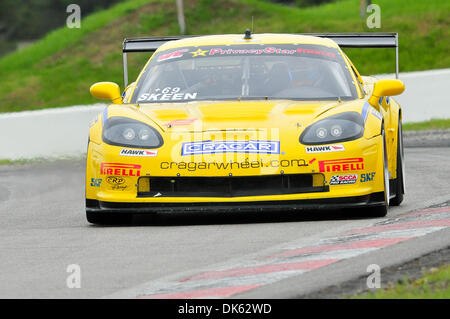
(246, 122)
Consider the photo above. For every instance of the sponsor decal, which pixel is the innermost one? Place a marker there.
(167, 96)
(95, 182)
(249, 50)
(342, 165)
(211, 147)
(367, 177)
(325, 148)
(94, 121)
(199, 52)
(119, 187)
(365, 111)
(268, 50)
(120, 169)
(180, 122)
(312, 161)
(105, 115)
(343, 179)
(194, 166)
(117, 183)
(377, 114)
(172, 55)
(138, 153)
(115, 180)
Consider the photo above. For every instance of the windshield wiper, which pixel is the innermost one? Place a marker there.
(253, 98)
(245, 77)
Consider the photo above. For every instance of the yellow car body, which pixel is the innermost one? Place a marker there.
(261, 163)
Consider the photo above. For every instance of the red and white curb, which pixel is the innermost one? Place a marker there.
(256, 271)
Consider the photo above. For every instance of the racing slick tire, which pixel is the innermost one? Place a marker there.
(399, 182)
(108, 218)
(381, 211)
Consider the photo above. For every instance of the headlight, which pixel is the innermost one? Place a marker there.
(122, 131)
(337, 128)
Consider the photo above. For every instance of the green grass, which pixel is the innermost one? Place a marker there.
(22, 161)
(59, 69)
(427, 125)
(434, 284)
(40, 160)
(11, 162)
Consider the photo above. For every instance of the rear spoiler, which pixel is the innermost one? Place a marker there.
(344, 40)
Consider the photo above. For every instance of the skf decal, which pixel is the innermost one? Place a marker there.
(325, 149)
(120, 169)
(95, 182)
(138, 153)
(367, 177)
(343, 179)
(211, 147)
(342, 165)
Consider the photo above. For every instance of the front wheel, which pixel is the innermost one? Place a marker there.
(399, 186)
(381, 211)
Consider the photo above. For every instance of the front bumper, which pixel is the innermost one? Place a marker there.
(263, 187)
(374, 199)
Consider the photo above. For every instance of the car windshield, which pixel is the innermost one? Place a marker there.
(297, 72)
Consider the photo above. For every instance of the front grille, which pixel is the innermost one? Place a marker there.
(233, 186)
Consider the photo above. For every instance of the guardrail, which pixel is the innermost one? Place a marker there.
(63, 132)
(59, 132)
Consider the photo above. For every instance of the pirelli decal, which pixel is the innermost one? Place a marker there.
(342, 165)
(120, 169)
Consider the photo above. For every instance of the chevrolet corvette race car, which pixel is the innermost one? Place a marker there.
(247, 122)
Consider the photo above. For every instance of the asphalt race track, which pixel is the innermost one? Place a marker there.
(43, 230)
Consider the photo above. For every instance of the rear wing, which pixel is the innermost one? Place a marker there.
(142, 45)
(344, 40)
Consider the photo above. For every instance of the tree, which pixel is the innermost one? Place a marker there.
(363, 5)
(180, 13)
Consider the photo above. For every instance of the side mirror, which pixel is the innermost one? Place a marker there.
(385, 88)
(107, 91)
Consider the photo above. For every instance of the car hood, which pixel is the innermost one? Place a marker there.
(241, 115)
